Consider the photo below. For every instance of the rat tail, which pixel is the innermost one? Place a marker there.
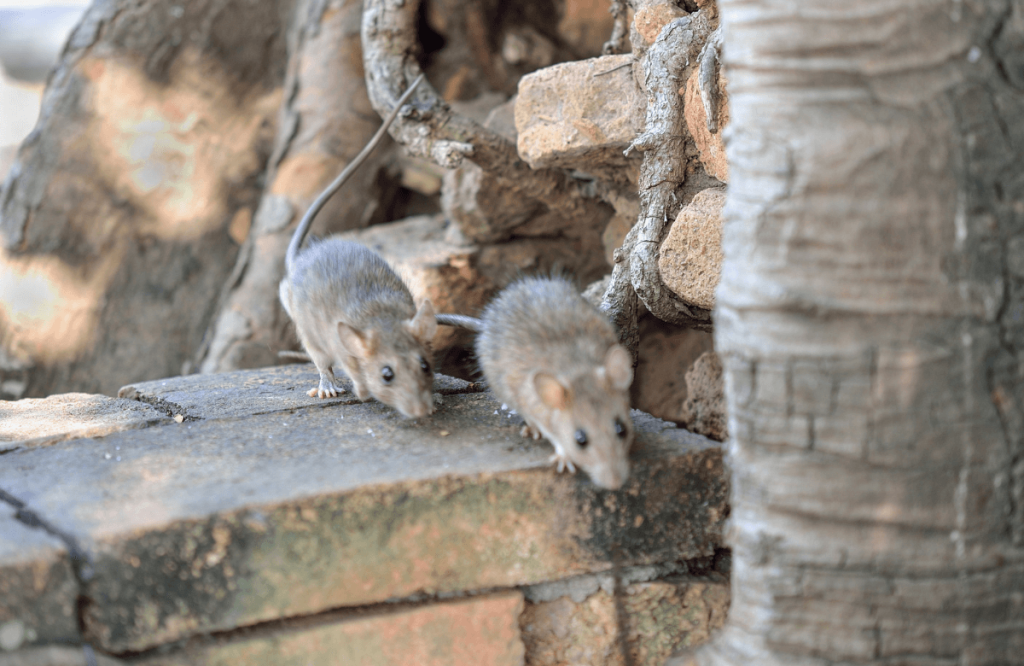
(307, 219)
(460, 321)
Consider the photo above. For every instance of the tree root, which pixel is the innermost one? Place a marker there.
(667, 64)
(433, 131)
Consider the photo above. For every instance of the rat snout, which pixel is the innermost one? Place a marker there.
(610, 475)
(415, 408)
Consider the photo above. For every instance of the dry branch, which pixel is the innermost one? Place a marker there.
(620, 29)
(433, 131)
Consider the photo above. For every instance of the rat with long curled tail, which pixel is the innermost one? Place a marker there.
(352, 311)
(553, 357)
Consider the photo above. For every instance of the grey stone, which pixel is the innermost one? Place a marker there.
(210, 525)
(244, 392)
(38, 589)
(42, 421)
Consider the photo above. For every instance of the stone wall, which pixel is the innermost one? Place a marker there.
(228, 519)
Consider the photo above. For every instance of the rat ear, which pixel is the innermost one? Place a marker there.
(355, 342)
(551, 391)
(618, 366)
(423, 326)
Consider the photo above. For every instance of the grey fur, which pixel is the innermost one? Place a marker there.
(542, 326)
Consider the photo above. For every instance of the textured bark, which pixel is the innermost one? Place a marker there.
(155, 129)
(869, 320)
(326, 119)
(433, 131)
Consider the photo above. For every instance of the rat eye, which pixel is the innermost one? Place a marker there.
(387, 374)
(424, 365)
(581, 439)
(620, 429)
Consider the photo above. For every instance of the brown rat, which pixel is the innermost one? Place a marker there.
(352, 311)
(553, 357)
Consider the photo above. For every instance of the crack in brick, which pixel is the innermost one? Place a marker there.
(81, 563)
(171, 409)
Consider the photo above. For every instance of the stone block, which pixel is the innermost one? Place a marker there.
(42, 421)
(710, 147)
(481, 630)
(460, 277)
(222, 523)
(704, 409)
(652, 18)
(658, 618)
(38, 590)
(690, 259)
(578, 115)
(244, 392)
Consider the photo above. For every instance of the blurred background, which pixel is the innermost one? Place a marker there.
(32, 34)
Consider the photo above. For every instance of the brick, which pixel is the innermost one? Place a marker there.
(211, 525)
(690, 257)
(482, 630)
(578, 114)
(660, 617)
(38, 589)
(42, 421)
(710, 147)
(236, 394)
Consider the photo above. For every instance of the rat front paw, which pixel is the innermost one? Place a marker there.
(563, 463)
(326, 389)
(529, 431)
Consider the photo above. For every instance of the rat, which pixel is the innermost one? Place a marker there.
(555, 359)
(351, 310)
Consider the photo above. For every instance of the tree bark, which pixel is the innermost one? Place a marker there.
(325, 120)
(116, 218)
(869, 322)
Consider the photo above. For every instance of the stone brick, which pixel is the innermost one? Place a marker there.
(704, 409)
(690, 259)
(660, 617)
(652, 18)
(711, 147)
(471, 632)
(211, 525)
(38, 589)
(42, 421)
(244, 392)
(460, 277)
(578, 115)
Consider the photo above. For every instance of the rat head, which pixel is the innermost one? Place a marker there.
(589, 417)
(395, 364)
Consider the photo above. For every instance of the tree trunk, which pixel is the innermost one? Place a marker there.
(869, 320)
(123, 211)
(325, 120)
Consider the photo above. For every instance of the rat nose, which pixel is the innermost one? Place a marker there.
(611, 476)
(418, 408)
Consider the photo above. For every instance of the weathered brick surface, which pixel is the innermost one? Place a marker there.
(244, 392)
(578, 114)
(42, 421)
(215, 524)
(660, 617)
(37, 586)
(690, 260)
(471, 632)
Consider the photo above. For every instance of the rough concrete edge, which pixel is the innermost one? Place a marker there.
(578, 588)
